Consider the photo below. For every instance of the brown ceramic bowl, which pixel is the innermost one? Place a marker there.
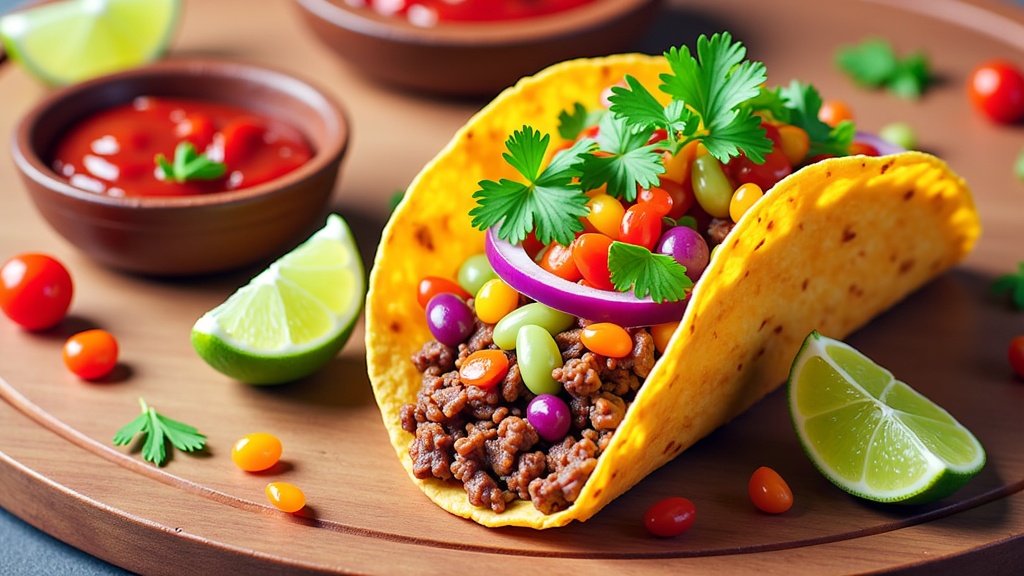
(199, 234)
(473, 59)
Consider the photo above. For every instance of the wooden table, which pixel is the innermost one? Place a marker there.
(199, 514)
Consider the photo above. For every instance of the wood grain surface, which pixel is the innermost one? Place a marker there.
(200, 514)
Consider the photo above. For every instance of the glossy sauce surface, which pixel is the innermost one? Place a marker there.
(432, 12)
(113, 152)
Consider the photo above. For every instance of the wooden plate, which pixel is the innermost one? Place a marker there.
(200, 514)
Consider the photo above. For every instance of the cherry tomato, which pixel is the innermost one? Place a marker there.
(795, 143)
(532, 245)
(91, 355)
(681, 193)
(557, 259)
(863, 148)
(832, 112)
(242, 136)
(605, 215)
(769, 492)
(641, 225)
(484, 368)
(776, 166)
(670, 517)
(35, 290)
(1016, 355)
(286, 497)
(590, 251)
(658, 199)
(431, 286)
(256, 452)
(996, 88)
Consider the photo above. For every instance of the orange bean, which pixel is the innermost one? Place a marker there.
(607, 339)
(484, 368)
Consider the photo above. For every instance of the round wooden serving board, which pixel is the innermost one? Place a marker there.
(200, 514)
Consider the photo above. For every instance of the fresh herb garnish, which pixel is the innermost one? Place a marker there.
(189, 165)
(873, 63)
(638, 269)
(1013, 284)
(572, 124)
(626, 160)
(802, 102)
(550, 203)
(157, 428)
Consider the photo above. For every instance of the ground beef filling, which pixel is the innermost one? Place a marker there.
(482, 439)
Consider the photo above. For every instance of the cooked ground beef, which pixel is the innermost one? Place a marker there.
(718, 229)
(482, 439)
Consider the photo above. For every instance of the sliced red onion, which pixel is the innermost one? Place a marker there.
(884, 147)
(513, 265)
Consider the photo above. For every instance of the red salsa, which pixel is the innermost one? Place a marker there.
(114, 151)
(430, 12)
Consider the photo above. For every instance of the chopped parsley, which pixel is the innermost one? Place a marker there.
(188, 164)
(1013, 284)
(157, 429)
(874, 64)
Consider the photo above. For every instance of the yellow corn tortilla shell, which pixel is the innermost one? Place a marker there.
(828, 248)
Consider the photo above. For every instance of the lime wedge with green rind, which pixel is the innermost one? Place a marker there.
(72, 40)
(873, 435)
(292, 318)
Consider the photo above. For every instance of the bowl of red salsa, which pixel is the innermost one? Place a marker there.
(183, 167)
(471, 47)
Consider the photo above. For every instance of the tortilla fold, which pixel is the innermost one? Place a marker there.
(828, 248)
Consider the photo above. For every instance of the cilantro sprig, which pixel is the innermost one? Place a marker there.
(874, 64)
(1012, 284)
(159, 429)
(635, 268)
(188, 164)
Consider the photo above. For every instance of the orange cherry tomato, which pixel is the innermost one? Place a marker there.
(1015, 354)
(286, 497)
(91, 355)
(484, 368)
(662, 333)
(590, 251)
(658, 199)
(256, 452)
(557, 259)
(607, 339)
(769, 492)
(431, 286)
(641, 225)
(832, 112)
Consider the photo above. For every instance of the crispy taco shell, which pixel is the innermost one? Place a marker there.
(827, 249)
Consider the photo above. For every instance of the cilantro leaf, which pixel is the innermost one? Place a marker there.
(572, 124)
(770, 100)
(626, 161)
(638, 269)
(1013, 284)
(189, 165)
(803, 102)
(549, 202)
(158, 429)
(715, 85)
(641, 109)
(874, 64)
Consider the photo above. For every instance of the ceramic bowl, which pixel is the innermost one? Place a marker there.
(187, 235)
(472, 59)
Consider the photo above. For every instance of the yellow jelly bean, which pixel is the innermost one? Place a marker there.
(495, 300)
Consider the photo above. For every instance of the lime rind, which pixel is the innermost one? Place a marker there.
(72, 40)
(873, 435)
(291, 318)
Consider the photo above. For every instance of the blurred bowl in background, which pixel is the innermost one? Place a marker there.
(195, 234)
(473, 58)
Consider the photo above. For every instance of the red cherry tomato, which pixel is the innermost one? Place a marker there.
(682, 196)
(557, 259)
(91, 355)
(775, 167)
(996, 88)
(241, 137)
(431, 286)
(590, 252)
(670, 517)
(832, 112)
(641, 225)
(35, 290)
(657, 198)
(1016, 355)
(769, 492)
(197, 129)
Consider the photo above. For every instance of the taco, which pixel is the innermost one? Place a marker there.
(826, 248)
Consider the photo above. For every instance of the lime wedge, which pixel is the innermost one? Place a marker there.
(292, 318)
(71, 40)
(872, 435)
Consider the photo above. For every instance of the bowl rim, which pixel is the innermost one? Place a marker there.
(327, 154)
(473, 34)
